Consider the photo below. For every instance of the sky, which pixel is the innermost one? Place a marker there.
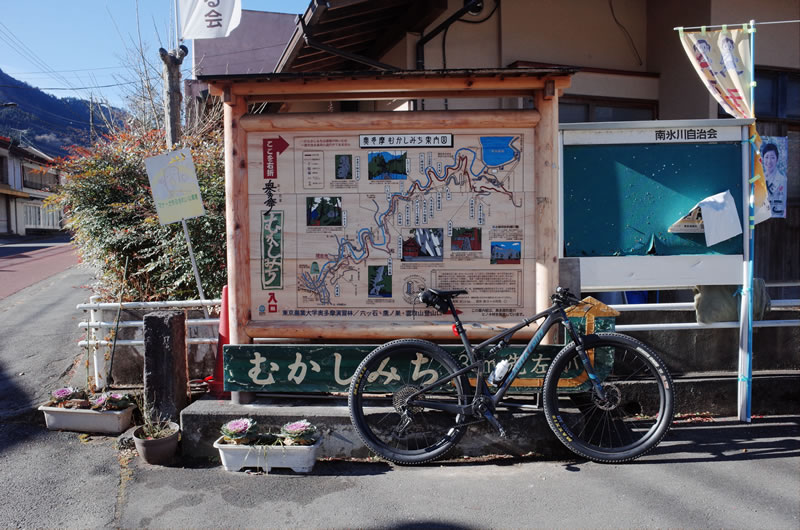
(61, 45)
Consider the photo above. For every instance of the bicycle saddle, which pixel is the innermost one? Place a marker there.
(447, 294)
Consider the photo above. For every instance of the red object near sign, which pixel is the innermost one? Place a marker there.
(272, 148)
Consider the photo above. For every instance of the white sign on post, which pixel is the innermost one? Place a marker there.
(177, 196)
(174, 185)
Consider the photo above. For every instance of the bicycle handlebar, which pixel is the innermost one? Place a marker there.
(563, 297)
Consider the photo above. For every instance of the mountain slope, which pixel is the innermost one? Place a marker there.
(43, 121)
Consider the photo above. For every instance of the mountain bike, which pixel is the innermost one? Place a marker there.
(606, 396)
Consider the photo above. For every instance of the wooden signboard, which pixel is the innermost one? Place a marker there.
(349, 225)
(328, 368)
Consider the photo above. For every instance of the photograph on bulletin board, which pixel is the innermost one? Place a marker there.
(774, 158)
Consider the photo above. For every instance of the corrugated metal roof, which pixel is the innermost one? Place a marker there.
(365, 28)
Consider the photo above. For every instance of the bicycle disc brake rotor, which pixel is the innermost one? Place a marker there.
(401, 396)
(613, 398)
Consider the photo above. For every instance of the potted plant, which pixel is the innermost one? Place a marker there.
(157, 439)
(72, 409)
(295, 447)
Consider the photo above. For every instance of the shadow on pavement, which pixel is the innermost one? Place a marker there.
(729, 440)
(17, 407)
(428, 524)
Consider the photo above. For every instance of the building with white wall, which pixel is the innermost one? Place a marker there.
(26, 180)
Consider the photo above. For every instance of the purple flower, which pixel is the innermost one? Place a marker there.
(240, 425)
(116, 396)
(238, 428)
(298, 427)
(62, 393)
(100, 400)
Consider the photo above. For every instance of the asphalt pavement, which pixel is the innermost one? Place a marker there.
(24, 261)
(720, 473)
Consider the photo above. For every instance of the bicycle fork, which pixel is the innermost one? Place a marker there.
(587, 363)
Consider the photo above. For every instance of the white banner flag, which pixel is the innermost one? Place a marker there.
(722, 60)
(209, 19)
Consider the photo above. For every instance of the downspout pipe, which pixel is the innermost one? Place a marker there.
(438, 29)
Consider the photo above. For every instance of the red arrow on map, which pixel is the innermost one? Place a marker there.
(272, 148)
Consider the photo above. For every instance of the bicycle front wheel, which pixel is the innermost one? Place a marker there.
(399, 429)
(636, 412)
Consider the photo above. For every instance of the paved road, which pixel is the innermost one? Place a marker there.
(722, 474)
(26, 261)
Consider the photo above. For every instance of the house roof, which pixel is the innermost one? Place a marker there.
(332, 35)
(25, 151)
(494, 82)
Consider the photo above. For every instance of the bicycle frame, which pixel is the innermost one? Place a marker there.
(555, 314)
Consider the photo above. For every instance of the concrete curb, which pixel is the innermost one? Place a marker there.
(528, 432)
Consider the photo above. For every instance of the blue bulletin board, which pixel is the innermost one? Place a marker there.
(620, 200)
(623, 186)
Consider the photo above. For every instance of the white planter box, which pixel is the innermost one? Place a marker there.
(299, 458)
(84, 420)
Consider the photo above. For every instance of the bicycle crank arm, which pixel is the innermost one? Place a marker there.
(496, 424)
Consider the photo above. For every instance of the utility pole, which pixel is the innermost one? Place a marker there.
(91, 120)
(172, 92)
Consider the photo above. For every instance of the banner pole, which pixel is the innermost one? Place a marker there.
(752, 230)
(194, 267)
(745, 388)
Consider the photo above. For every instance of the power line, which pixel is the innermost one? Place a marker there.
(71, 88)
(68, 71)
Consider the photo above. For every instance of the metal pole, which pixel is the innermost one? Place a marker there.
(720, 26)
(745, 388)
(194, 267)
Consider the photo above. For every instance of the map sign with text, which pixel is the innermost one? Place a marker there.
(353, 226)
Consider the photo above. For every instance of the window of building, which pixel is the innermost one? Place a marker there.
(777, 94)
(33, 215)
(573, 109)
(3, 170)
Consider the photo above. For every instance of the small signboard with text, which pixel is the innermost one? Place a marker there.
(173, 182)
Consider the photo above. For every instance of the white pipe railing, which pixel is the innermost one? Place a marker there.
(95, 328)
(94, 325)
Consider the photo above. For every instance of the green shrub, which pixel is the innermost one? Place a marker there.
(109, 207)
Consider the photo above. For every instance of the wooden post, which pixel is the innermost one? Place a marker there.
(172, 92)
(237, 227)
(547, 206)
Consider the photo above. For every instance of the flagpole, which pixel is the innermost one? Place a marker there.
(177, 29)
(722, 26)
(745, 388)
(749, 399)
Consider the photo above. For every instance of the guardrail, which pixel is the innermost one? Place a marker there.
(91, 324)
(95, 327)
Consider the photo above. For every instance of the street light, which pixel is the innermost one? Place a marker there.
(8, 105)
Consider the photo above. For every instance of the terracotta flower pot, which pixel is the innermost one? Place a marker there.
(158, 450)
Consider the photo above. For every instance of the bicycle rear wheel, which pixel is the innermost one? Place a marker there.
(636, 413)
(396, 430)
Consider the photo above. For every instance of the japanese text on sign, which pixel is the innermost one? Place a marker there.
(405, 140)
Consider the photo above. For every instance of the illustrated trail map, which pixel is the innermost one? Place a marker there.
(352, 226)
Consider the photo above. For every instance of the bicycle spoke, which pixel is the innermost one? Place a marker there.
(418, 433)
(633, 415)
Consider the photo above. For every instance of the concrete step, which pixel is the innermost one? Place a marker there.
(528, 431)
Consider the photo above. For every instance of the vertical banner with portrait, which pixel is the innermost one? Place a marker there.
(774, 158)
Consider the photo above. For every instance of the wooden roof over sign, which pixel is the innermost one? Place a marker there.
(330, 34)
(403, 84)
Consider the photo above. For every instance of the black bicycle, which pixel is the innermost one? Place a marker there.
(607, 397)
